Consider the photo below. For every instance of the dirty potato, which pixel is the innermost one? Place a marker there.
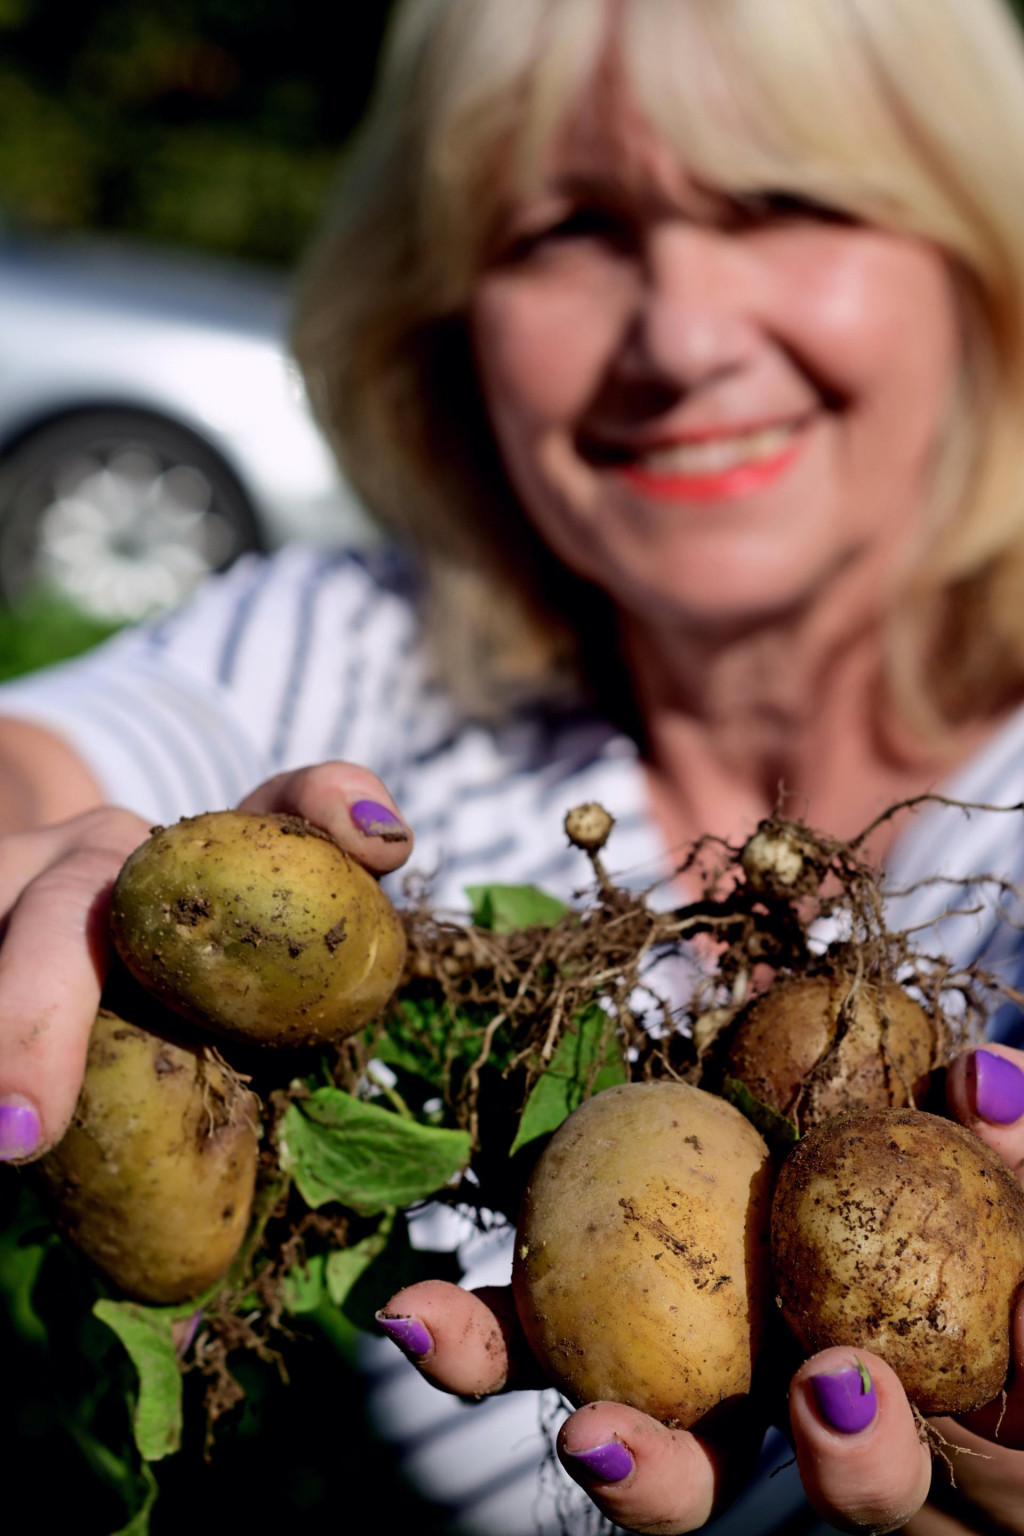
(259, 927)
(902, 1233)
(816, 1046)
(640, 1263)
(154, 1177)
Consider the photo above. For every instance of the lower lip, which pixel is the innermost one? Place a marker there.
(726, 485)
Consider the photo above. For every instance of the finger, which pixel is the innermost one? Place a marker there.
(985, 1090)
(861, 1461)
(347, 801)
(979, 1472)
(52, 964)
(465, 1342)
(1002, 1421)
(647, 1477)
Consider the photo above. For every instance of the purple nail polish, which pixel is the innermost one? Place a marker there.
(609, 1463)
(998, 1087)
(19, 1129)
(377, 820)
(183, 1332)
(847, 1399)
(408, 1333)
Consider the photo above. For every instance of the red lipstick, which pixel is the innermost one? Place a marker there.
(719, 485)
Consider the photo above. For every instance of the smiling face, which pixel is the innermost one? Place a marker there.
(709, 406)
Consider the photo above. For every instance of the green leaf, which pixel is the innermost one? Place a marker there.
(20, 1263)
(436, 1043)
(346, 1265)
(589, 1043)
(138, 1525)
(338, 1148)
(131, 1483)
(395, 1265)
(779, 1132)
(146, 1334)
(303, 1287)
(504, 907)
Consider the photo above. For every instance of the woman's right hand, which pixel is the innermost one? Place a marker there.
(55, 885)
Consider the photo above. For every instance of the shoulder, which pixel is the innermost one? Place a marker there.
(263, 597)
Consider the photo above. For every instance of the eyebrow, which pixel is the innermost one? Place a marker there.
(611, 187)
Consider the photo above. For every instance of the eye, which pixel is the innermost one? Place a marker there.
(780, 207)
(578, 224)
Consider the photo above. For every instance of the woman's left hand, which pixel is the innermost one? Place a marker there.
(876, 1476)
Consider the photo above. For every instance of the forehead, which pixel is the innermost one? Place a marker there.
(610, 144)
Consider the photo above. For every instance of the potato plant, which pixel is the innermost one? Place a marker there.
(384, 1059)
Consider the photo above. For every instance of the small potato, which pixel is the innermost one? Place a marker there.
(154, 1178)
(640, 1265)
(902, 1233)
(885, 1045)
(258, 927)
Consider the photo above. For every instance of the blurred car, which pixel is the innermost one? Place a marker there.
(152, 426)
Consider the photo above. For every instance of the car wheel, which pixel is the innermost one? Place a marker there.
(117, 514)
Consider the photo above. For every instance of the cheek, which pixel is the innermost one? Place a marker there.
(542, 348)
(877, 323)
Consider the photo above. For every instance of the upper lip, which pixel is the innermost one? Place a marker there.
(609, 448)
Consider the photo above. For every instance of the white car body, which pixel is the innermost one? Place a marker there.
(88, 326)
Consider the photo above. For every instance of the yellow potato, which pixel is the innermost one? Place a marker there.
(884, 1055)
(902, 1233)
(259, 927)
(641, 1255)
(154, 1177)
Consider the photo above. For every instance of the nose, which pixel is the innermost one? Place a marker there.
(695, 317)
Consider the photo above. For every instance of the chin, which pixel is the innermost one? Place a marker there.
(714, 594)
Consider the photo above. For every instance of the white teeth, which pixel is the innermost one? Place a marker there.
(723, 453)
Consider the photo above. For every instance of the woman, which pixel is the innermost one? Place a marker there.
(683, 343)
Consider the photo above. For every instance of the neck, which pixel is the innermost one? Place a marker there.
(784, 716)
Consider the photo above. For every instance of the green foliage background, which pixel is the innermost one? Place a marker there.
(210, 123)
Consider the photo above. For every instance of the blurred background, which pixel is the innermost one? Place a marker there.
(162, 164)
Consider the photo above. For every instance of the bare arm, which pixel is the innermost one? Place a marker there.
(42, 779)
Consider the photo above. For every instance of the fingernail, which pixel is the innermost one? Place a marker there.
(183, 1332)
(375, 820)
(998, 1087)
(408, 1333)
(609, 1463)
(19, 1129)
(847, 1399)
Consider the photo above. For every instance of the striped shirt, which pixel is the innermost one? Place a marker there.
(309, 656)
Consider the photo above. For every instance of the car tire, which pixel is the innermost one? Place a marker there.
(117, 514)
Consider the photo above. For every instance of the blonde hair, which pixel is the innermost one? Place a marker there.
(908, 114)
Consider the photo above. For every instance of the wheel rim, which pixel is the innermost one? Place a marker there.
(122, 535)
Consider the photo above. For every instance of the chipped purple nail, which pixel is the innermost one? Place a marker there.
(183, 1332)
(608, 1463)
(408, 1333)
(19, 1129)
(997, 1086)
(376, 820)
(847, 1399)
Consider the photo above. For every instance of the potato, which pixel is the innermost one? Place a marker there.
(258, 927)
(883, 1059)
(640, 1265)
(902, 1233)
(154, 1177)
